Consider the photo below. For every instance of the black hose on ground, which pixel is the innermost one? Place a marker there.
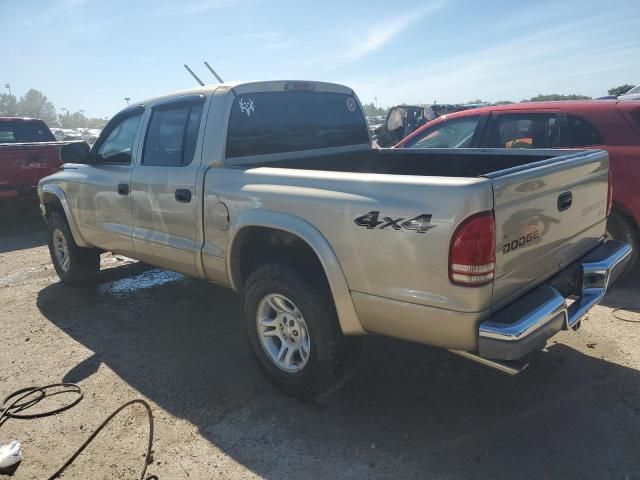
(628, 309)
(25, 398)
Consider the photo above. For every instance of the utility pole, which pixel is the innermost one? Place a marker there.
(127, 99)
(8, 87)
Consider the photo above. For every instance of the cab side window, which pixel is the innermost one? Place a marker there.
(118, 146)
(583, 133)
(537, 130)
(456, 133)
(172, 135)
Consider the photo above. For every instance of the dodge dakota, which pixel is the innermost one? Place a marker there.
(272, 189)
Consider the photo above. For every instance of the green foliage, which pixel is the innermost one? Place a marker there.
(8, 104)
(36, 105)
(557, 96)
(622, 89)
(371, 110)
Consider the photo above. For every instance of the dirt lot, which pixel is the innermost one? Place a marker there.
(409, 412)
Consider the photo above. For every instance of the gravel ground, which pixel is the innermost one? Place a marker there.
(409, 412)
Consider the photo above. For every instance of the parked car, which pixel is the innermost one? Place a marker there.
(326, 238)
(633, 94)
(590, 124)
(28, 152)
(401, 120)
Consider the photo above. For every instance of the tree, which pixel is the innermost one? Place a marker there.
(35, 104)
(371, 110)
(8, 104)
(557, 96)
(620, 90)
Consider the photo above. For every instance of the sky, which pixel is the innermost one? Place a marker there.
(91, 54)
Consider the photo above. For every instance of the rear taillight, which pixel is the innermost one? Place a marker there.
(609, 194)
(472, 255)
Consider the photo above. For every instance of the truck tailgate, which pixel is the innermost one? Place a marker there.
(547, 215)
(22, 165)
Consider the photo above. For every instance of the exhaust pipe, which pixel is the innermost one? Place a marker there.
(510, 367)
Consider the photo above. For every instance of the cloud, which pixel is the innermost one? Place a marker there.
(279, 44)
(192, 7)
(384, 32)
(582, 56)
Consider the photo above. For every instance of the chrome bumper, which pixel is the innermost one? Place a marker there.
(544, 312)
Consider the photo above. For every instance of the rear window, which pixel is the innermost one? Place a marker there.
(276, 122)
(20, 131)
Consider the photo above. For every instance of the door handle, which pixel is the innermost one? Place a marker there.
(564, 201)
(183, 195)
(123, 189)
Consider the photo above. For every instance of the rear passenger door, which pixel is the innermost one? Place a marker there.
(520, 129)
(165, 203)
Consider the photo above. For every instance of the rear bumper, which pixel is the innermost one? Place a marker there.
(545, 311)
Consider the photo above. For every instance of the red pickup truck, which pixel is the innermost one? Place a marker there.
(28, 152)
(611, 125)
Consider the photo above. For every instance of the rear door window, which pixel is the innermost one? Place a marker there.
(525, 130)
(583, 133)
(456, 133)
(278, 122)
(172, 135)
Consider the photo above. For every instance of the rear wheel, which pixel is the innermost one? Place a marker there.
(294, 333)
(74, 265)
(622, 229)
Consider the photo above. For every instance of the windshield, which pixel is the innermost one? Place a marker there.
(275, 122)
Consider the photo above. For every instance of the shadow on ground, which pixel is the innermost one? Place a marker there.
(21, 228)
(409, 412)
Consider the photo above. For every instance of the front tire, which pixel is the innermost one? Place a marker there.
(294, 333)
(76, 266)
(622, 229)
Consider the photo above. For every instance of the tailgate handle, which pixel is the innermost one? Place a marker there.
(564, 201)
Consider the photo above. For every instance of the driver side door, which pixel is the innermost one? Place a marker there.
(102, 199)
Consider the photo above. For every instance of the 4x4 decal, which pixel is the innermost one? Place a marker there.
(371, 220)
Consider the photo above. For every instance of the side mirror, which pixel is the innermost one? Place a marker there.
(75, 152)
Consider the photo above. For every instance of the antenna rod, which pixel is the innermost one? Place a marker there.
(214, 72)
(194, 75)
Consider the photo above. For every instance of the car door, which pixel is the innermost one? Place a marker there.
(163, 185)
(525, 129)
(100, 198)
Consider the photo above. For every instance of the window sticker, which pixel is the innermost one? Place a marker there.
(246, 106)
(351, 104)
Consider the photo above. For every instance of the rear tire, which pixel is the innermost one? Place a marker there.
(622, 229)
(76, 266)
(281, 309)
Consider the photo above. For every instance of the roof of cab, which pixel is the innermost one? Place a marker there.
(248, 87)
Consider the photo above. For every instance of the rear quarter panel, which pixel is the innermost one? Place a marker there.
(397, 264)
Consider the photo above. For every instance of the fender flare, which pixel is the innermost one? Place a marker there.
(47, 193)
(347, 315)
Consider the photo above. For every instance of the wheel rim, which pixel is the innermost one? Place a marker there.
(283, 333)
(61, 250)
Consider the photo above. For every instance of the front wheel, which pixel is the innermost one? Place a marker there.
(74, 265)
(294, 333)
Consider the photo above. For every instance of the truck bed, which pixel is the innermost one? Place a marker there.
(423, 162)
